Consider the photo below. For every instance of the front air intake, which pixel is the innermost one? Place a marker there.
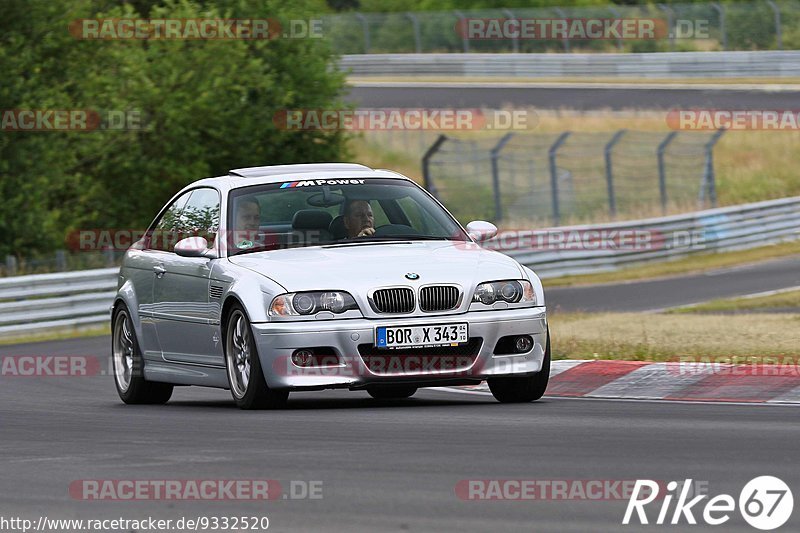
(394, 300)
(439, 298)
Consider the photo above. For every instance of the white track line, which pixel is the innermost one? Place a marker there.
(771, 403)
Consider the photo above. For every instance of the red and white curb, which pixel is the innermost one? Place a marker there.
(676, 381)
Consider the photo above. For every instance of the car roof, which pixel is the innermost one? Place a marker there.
(244, 177)
(277, 170)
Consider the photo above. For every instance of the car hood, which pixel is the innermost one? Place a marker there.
(361, 267)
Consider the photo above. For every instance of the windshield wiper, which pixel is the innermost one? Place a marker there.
(365, 240)
(428, 238)
(390, 238)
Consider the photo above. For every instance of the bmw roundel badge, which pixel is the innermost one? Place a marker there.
(412, 275)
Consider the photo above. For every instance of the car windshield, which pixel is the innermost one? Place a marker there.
(315, 212)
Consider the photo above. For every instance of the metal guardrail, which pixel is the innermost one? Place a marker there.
(772, 64)
(672, 237)
(45, 302)
(729, 25)
(42, 302)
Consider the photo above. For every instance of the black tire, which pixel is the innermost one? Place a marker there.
(523, 389)
(391, 392)
(126, 357)
(241, 354)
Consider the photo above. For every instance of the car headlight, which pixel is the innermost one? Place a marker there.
(511, 291)
(308, 303)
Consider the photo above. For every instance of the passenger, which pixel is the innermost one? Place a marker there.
(246, 222)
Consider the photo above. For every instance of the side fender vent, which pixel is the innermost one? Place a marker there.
(215, 292)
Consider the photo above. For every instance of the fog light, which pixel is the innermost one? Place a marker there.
(524, 343)
(302, 357)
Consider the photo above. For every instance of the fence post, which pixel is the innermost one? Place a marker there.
(670, 23)
(417, 35)
(612, 200)
(722, 31)
(560, 12)
(365, 26)
(709, 179)
(617, 15)
(11, 265)
(108, 252)
(462, 22)
(515, 41)
(426, 171)
(551, 155)
(778, 31)
(662, 174)
(495, 154)
(61, 260)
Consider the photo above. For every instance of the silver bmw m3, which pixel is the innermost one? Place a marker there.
(307, 277)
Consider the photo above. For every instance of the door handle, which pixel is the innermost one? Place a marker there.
(159, 270)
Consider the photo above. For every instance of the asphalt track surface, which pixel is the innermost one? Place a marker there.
(653, 295)
(387, 465)
(570, 97)
(384, 465)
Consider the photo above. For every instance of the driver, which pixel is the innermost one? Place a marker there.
(358, 219)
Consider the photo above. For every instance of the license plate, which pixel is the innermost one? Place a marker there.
(421, 336)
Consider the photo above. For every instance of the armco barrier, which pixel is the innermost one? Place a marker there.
(42, 302)
(721, 229)
(771, 64)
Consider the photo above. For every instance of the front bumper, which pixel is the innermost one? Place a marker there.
(276, 341)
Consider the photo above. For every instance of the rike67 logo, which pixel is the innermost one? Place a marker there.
(765, 502)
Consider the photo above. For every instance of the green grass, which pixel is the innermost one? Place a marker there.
(63, 334)
(375, 155)
(670, 337)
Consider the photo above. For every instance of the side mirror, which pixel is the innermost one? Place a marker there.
(480, 230)
(194, 247)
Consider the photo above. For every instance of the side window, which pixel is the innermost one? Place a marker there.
(165, 230)
(200, 215)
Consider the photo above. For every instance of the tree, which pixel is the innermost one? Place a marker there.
(205, 107)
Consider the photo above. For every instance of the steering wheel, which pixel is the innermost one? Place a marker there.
(390, 230)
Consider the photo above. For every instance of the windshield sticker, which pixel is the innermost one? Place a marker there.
(245, 244)
(306, 183)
